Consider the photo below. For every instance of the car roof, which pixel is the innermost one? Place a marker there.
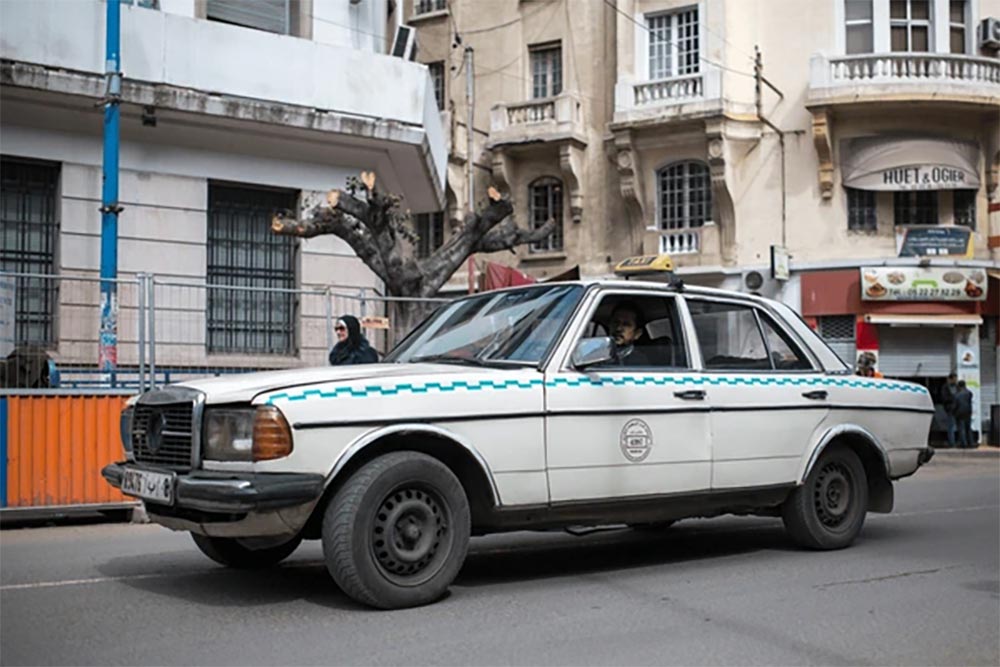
(650, 285)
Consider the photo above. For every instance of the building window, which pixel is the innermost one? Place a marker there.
(673, 44)
(437, 76)
(684, 193)
(546, 71)
(860, 36)
(910, 25)
(956, 25)
(545, 196)
(428, 6)
(861, 210)
(251, 272)
(29, 228)
(964, 204)
(430, 230)
(270, 15)
(915, 207)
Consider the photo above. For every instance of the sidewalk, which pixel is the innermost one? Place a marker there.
(978, 452)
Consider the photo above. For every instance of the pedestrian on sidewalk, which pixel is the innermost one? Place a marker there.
(947, 400)
(963, 415)
(352, 347)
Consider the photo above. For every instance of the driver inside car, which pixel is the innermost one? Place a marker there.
(628, 332)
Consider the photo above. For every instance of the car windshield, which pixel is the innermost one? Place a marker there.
(510, 327)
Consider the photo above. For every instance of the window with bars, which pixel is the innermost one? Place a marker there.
(684, 193)
(428, 6)
(270, 15)
(839, 332)
(964, 207)
(858, 25)
(910, 25)
(861, 210)
(29, 229)
(546, 201)
(430, 230)
(957, 25)
(437, 77)
(673, 44)
(915, 208)
(251, 272)
(546, 70)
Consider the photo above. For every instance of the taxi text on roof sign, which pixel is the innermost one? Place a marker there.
(645, 265)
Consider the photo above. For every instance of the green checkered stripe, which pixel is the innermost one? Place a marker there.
(406, 388)
(411, 388)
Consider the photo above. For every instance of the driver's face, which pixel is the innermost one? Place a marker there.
(624, 327)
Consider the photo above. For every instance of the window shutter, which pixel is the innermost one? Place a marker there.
(269, 15)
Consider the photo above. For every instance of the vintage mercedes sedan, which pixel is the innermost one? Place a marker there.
(542, 407)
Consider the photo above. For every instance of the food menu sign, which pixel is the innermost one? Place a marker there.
(911, 283)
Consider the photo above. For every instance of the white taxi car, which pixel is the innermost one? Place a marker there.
(548, 406)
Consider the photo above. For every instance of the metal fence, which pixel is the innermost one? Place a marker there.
(170, 330)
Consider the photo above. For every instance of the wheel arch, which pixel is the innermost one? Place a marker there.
(454, 451)
(873, 457)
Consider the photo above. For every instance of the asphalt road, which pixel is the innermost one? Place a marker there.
(920, 587)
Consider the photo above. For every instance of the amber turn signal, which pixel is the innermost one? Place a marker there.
(272, 437)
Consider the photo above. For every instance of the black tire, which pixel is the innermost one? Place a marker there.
(229, 552)
(828, 510)
(396, 533)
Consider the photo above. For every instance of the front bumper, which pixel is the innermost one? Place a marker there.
(233, 493)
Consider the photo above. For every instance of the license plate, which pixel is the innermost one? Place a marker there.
(150, 485)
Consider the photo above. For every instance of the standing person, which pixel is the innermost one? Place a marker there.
(352, 347)
(963, 415)
(947, 399)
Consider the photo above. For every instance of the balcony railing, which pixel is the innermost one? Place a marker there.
(537, 120)
(665, 91)
(535, 111)
(680, 241)
(938, 73)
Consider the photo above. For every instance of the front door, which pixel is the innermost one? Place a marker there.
(634, 426)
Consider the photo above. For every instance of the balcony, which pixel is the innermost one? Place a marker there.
(689, 246)
(691, 95)
(908, 77)
(680, 241)
(550, 119)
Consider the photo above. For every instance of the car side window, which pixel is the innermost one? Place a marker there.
(729, 336)
(646, 331)
(785, 354)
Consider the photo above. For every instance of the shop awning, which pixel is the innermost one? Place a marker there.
(924, 320)
(902, 163)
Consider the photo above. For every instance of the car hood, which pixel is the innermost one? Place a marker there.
(244, 387)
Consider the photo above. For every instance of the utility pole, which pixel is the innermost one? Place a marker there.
(107, 355)
(470, 170)
(759, 81)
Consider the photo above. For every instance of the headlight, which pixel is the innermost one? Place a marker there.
(228, 434)
(125, 425)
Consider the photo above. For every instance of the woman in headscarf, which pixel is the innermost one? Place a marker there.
(351, 347)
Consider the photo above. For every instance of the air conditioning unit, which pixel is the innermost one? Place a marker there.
(759, 281)
(405, 44)
(989, 33)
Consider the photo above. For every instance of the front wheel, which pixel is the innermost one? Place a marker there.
(396, 534)
(828, 510)
(231, 553)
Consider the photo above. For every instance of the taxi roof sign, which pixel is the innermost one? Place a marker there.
(644, 265)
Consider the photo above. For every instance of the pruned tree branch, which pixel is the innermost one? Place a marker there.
(508, 235)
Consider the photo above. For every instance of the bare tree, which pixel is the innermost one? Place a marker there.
(382, 235)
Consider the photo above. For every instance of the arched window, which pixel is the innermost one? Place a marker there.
(684, 195)
(545, 197)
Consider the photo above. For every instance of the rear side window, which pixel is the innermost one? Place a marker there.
(738, 337)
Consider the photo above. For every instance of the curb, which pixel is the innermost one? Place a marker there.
(983, 451)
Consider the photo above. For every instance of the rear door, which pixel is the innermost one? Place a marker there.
(766, 395)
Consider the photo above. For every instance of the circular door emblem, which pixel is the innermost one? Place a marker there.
(154, 436)
(636, 440)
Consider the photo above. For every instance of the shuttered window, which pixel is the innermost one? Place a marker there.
(269, 15)
(915, 351)
(839, 333)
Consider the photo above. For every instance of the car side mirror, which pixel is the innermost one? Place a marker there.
(593, 351)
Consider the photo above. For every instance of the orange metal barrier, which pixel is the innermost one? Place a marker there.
(56, 447)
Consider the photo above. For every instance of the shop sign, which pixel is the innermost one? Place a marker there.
(934, 241)
(921, 177)
(912, 283)
(780, 267)
(375, 322)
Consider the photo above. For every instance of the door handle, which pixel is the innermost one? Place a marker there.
(691, 395)
(817, 395)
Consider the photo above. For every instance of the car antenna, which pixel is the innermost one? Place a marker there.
(677, 283)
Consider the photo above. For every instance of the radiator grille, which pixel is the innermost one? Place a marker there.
(163, 434)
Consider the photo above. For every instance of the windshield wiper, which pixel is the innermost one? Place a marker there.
(451, 359)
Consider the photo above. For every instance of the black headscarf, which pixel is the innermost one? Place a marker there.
(354, 350)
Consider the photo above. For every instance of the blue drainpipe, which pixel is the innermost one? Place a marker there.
(108, 343)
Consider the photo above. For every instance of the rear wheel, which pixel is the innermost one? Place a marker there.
(828, 510)
(231, 553)
(396, 534)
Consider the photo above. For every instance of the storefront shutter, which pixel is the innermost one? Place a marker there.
(988, 366)
(915, 351)
(270, 15)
